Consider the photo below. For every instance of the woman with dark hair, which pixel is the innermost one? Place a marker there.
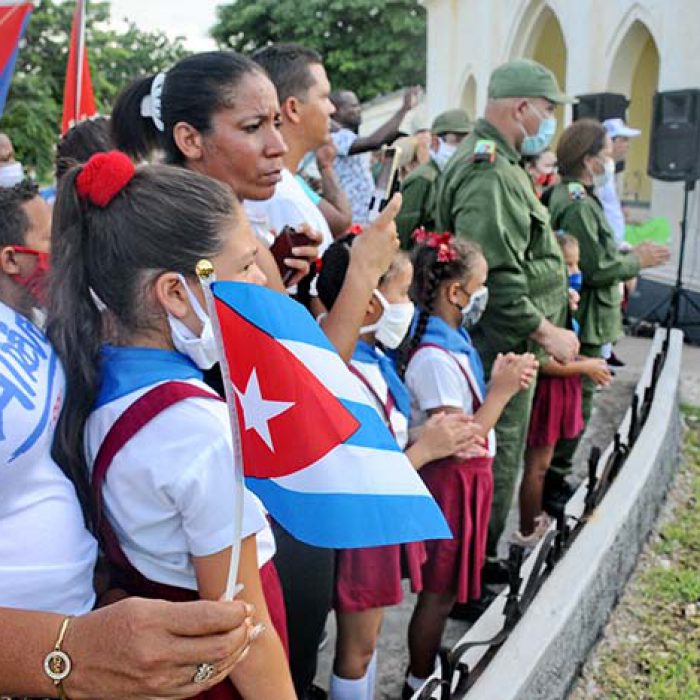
(161, 481)
(218, 113)
(584, 157)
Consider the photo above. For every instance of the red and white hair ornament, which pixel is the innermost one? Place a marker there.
(442, 242)
(104, 176)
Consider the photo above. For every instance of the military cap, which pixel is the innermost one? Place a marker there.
(453, 121)
(526, 78)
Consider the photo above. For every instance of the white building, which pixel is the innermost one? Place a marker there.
(625, 46)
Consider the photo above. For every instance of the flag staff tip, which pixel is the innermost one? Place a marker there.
(205, 271)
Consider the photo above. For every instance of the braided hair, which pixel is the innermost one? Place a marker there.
(430, 270)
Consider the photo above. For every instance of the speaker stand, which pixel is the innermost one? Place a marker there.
(678, 293)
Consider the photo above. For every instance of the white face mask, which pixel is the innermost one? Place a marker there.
(475, 308)
(11, 174)
(393, 324)
(201, 350)
(444, 152)
(602, 179)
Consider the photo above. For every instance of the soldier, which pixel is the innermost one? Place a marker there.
(585, 158)
(485, 195)
(448, 130)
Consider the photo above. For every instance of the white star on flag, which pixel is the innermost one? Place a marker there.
(258, 412)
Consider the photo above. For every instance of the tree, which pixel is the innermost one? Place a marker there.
(33, 111)
(369, 46)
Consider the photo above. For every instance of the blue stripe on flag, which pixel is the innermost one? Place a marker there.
(9, 68)
(372, 431)
(350, 520)
(272, 312)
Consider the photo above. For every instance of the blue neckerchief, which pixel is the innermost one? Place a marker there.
(455, 340)
(126, 369)
(364, 352)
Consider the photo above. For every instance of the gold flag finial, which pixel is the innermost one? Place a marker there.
(204, 270)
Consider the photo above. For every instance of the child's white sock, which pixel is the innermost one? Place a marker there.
(371, 676)
(348, 689)
(413, 682)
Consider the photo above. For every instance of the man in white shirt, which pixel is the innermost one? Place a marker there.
(353, 160)
(609, 195)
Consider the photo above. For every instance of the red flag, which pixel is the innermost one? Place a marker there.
(78, 97)
(14, 17)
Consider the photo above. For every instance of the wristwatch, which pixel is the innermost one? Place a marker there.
(57, 664)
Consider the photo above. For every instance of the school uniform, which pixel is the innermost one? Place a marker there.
(445, 370)
(370, 577)
(159, 447)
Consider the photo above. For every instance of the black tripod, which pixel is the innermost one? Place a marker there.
(673, 314)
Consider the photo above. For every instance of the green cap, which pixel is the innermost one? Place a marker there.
(525, 78)
(453, 121)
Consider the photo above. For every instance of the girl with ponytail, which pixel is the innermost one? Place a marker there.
(127, 241)
(369, 579)
(444, 374)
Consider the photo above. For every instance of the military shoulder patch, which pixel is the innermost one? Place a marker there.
(484, 151)
(577, 191)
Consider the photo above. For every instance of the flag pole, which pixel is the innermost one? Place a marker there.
(205, 273)
(80, 12)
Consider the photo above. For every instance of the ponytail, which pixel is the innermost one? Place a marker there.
(75, 331)
(132, 133)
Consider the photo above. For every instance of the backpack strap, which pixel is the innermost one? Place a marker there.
(475, 394)
(138, 415)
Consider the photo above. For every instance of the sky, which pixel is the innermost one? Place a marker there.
(174, 17)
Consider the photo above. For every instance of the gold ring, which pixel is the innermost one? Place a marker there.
(203, 673)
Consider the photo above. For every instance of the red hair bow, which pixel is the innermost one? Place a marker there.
(442, 242)
(104, 176)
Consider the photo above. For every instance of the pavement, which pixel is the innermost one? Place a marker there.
(610, 405)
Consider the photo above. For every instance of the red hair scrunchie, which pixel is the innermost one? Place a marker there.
(104, 176)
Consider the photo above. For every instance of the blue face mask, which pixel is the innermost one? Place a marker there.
(576, 281)
(532, 145)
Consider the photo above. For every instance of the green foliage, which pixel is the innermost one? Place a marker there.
(369, 46)
(33, 111)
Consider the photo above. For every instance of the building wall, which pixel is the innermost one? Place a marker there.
(628, 46)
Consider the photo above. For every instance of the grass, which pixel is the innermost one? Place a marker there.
(652, 647)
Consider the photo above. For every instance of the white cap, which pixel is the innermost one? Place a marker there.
(617, 127)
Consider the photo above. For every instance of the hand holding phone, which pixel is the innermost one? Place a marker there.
(281, 249)
(386, 183)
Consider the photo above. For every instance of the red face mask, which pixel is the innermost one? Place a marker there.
(36, 282)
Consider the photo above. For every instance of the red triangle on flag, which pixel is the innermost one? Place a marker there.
(287, 418)
(11, 23)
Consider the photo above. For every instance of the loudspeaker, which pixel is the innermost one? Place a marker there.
(675, 136)
(601, 106)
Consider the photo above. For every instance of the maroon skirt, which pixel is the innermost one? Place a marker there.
(557, 411)
(463, 490)
(370, 577)
(135, 583)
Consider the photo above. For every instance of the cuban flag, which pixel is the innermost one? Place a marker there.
(14, 17)
(78, 96)
(314, 449)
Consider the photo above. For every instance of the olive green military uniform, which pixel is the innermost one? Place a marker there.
(576, 210)
(418, 191)
(484, 195)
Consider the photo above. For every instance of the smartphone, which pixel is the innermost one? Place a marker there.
(387, 180)
(287, 239)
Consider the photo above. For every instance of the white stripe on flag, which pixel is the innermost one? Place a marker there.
(330, 370)
(361, 470)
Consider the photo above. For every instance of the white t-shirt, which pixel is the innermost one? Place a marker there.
(289, 206)
(47, 556)
(169, 492)
(610, 199)
(434, 379)
(373, 375)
